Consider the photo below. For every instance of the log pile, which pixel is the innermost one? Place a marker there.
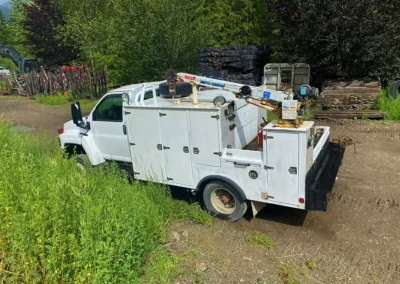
(244, 64)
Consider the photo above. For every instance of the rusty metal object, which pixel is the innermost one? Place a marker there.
(261, 103)
(345, 141)
(282, 123)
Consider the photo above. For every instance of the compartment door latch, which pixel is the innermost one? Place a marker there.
(293, 170)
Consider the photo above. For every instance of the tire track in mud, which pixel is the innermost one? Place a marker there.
(358, 203)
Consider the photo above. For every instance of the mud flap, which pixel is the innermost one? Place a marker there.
(322, 176)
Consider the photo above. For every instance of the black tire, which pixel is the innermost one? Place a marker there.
(83, 162)
(394, 89)
(231, 209)
(182, 90)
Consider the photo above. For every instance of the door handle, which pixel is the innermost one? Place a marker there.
(186, 149)
(196, 151)
(124, 129)
(159, 147)
(241, 164)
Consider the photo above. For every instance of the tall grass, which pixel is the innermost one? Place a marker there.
(61, 225)
(58, 100)
(390, 105)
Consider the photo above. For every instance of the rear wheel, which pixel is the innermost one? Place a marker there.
(224, 201)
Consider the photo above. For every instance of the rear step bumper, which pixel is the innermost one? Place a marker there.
(322, 176)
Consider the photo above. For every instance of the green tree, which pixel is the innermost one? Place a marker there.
(137, 40)
(42, 23)
(238, 22)
(353, 39)
(3, 30)
(17, 38)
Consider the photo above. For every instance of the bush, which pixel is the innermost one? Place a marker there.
(59, 224)
(391, 106)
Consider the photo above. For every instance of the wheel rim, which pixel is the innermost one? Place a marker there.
(223, 201)
(81, 167)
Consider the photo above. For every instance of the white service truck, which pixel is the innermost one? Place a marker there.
(210, 136)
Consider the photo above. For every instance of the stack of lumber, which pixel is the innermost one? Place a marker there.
(370, 114)
(355, 95)
(244, 64)
(353, 99)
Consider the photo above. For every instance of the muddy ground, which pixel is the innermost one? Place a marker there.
(356, 241)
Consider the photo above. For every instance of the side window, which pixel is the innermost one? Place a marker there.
(149, 94)
(110, 109)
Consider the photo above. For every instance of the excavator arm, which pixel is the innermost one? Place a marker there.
(24, 65)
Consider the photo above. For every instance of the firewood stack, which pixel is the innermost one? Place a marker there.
(244, 64)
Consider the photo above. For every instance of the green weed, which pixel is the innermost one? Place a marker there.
(286, 275)
(390, 106)
(61, 100)
(261, 240)
(193, 212)
(312, 264)
(60, 225)
(272, 116)
(161, 268)
(303, 270)
(13, 98)
(54, 100)
(365, 116)
(308, 115)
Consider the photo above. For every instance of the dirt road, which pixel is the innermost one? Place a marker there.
(31, 114)
(356, 241)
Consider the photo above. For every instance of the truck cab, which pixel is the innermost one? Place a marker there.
(106, 136)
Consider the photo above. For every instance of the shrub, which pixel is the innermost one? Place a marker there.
(391, 106)
(59, 224)
(261, 240)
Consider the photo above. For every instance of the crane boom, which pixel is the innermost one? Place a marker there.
(255, 92)
(257, 96)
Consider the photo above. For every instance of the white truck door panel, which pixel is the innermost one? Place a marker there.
(107, 127)
(205, 138)
(283, 163)
(177, 147)
(110, 139)
(144, 133)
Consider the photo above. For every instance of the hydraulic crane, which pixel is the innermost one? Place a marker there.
(260, 96)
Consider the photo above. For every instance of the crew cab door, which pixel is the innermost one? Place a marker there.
(108, 129)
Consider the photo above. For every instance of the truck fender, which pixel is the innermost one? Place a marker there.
(92, 151)
(205, 180)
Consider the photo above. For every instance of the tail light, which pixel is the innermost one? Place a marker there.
(61, 131)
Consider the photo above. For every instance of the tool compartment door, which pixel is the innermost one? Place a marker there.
(283, 167)
(177, 147)
(144, 132)
(205, 138)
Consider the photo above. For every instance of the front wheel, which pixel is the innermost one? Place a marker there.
(82, 161)
(224, 201)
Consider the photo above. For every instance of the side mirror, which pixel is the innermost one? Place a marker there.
(77, 114)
